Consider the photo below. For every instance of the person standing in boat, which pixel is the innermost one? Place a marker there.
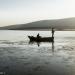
(53, 32)
(38, 36)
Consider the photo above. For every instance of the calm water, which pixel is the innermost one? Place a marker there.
(19, 57)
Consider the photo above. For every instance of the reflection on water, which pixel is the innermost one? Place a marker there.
(39, 43)
(53, 46)
(18, 56)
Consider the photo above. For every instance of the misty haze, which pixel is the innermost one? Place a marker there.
(37, 37)
(58, 24)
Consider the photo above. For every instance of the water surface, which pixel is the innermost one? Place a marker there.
(18, 57)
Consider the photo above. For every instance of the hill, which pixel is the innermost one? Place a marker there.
(58, 24)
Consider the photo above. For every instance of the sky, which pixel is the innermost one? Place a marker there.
(25, 11)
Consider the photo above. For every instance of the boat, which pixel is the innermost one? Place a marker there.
(41, 39)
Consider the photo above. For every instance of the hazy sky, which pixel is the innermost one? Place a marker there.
(24, 11)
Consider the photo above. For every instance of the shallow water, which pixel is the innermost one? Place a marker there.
(18, 57)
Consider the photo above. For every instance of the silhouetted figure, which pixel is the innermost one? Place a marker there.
(38, 36)
(53, 32)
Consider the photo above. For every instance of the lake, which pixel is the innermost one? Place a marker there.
(19, 57)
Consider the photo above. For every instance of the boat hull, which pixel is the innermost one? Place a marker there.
(41, 39)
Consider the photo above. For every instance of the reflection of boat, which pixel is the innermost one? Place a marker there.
(39, 43)
(41, 39)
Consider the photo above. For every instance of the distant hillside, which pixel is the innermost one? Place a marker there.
(59, 24)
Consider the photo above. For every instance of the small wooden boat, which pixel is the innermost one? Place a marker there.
(41, 39)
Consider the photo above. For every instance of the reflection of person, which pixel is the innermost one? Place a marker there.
(38, 43)
(53, 46)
